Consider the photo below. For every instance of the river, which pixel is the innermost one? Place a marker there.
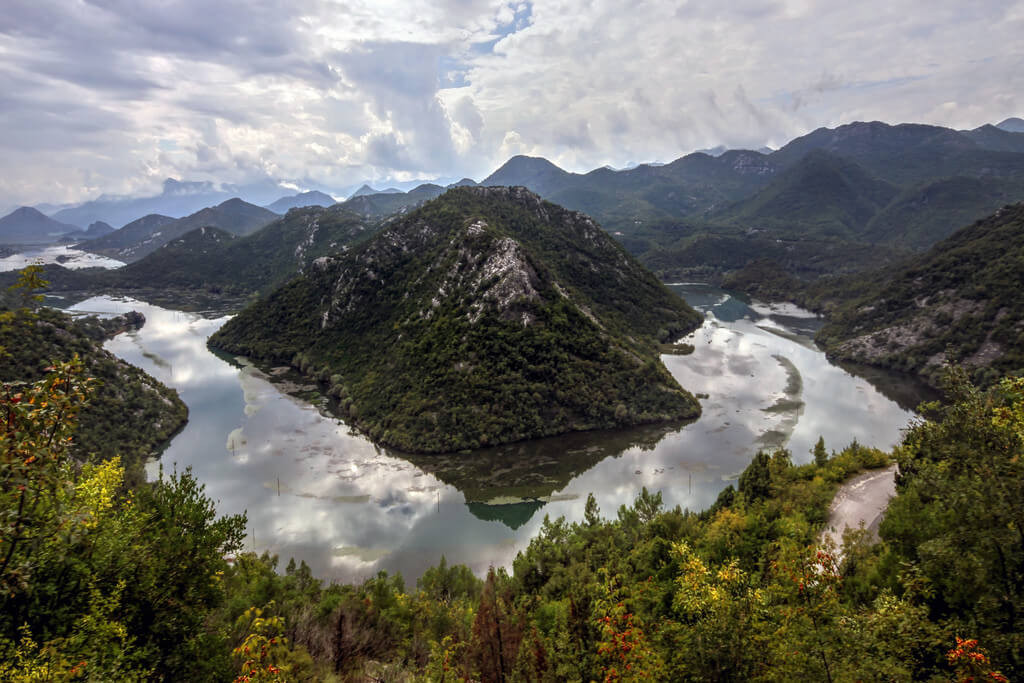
(263, 443)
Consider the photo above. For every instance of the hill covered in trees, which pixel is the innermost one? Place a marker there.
(210, 264)
(149, 233)
(961, 302)
(487, 316)
(129, 414)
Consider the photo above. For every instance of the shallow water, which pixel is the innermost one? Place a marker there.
(69, 257)
(316, 491)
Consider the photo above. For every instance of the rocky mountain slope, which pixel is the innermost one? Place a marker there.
(487, 316)
(962, 301)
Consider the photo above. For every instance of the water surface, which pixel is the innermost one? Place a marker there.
(67, 256)
(315, 490)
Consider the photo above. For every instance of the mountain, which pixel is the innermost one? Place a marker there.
(922, 215)
(234, 216)
(135, 232)
(97, 229)
(905, 154)
(486, 316)
(314, 198)
(1012, 125)
(962, 301)
(465, 182)
(537, 174)
(26, 225)
(822, 194)
(380, 204)
(213, 259)
(366, 190)
(997, 139)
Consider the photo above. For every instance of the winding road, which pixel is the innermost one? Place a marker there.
(862, 499)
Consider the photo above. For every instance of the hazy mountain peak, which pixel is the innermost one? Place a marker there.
(1012, 125)
(29, 225)
(297, 201)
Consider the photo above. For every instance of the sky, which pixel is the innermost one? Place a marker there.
(113, 96)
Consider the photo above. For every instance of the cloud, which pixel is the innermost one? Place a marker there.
(115, 95)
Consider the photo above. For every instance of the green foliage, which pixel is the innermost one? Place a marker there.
(959, 518)
(819, 452)
(129, 413)
(98, 582)
(435, 355)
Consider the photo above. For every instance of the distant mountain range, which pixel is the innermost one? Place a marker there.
(1013, 125)
(147, 234)
(848, 197)
(177, 199)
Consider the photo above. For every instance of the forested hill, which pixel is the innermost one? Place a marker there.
(210, 263)
(208, 258)
(485, 317)
(963, 301)
(130, 414)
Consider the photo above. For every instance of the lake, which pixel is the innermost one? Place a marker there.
(263, 442)
(67, 256)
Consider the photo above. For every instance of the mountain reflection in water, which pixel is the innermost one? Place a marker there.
(316, 491)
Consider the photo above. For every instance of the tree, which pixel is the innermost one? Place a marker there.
(819, 452)
(497, 631)
(756, 481)
(959, 515)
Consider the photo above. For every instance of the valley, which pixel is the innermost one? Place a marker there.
(535, 399)
(262, 440)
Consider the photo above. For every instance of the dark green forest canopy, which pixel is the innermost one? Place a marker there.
(485, 317)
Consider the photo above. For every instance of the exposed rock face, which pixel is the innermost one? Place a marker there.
(485, 317)
(962, 302)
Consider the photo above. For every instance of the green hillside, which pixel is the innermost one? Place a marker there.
(821, 196)
(131, 414)
(485, 317)
(962, 301)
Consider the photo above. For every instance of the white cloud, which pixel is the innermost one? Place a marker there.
(114, 95)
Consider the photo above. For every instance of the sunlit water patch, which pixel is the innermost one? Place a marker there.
(69, 257)
(316, 491)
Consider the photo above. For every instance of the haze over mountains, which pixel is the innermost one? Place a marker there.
(151, 232)
(29, 226)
